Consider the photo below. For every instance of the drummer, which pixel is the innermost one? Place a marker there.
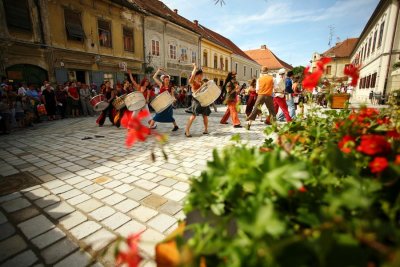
(121, 92)
(145, 88)
(166, 115)
(196, 108)
(109, 93)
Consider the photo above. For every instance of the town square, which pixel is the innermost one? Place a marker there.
(210, 133)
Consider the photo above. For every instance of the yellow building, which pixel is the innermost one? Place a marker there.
(215, 54)
(83, 40)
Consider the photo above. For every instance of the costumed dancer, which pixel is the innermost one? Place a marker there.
(251, 101)
(196, 108)
(145, 88)
(168, 114)
(109, 93)
(232, 94)
(121, 91)
(230, 78)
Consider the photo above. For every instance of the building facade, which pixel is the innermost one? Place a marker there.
(377, 50)
(340, 55)
(246, 69)
(170, 41)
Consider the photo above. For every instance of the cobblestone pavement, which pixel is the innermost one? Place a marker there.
(91, 191)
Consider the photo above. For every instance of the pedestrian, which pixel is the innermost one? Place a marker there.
(61, 97)
(22, 89)
(371, 96)
(168, 114)
(196, 81)
(50, 102)
(19, 111)
(5, 115)
(264, 89)
(73, 100)
(252, 97)
(84, 94)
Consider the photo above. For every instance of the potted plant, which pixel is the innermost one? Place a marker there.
(337, 99)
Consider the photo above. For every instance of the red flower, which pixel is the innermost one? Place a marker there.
(322, 62)
(311, 80)
(373, 145)
(131, 257)
(302, 189)
(385, 120)
(378, 165)
(136, 130)
(397, 160)
(393, 134)
(352, 71)
(343, 144)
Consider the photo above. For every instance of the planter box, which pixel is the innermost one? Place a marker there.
(339, 101)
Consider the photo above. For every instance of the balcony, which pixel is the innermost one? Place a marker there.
(214, 71)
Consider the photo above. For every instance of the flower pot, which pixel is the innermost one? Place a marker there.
(339, 101)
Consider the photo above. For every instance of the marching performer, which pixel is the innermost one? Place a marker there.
(144, 88)
(196, 109)
(109, 92)
(167, 115)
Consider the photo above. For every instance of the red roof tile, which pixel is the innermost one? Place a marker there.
(267, 58)
(342, 49)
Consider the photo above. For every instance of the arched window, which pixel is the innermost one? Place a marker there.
(215, 61)
(205, 59)
(226, 64)
(221, 62)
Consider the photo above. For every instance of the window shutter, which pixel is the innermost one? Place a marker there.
(17, 14)
(73, 24)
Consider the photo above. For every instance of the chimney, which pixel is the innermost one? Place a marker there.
(176, 11)
(196, 22)
(264, 47)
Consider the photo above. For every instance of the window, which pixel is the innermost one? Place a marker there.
(381, 34)
(226, 64)
(251, 73)
(215, 62)
(328, 70)
(236, 67)
(368, 81)
(184, 56)
(194, 57)
(373, 80)
(374, 43)
(129, 45)
(256, 73)
(221, 63)
(17, 14)
(362, 85)
(369, 46)
(205, 59)
(73, 25)
(172, 51)
(244, 70)
(155, 48)
(104, 33)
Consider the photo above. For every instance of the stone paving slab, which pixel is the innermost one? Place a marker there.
(94, 190)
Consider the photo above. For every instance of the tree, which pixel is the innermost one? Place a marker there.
(298, 71)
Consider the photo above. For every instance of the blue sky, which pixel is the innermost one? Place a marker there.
(292, 29)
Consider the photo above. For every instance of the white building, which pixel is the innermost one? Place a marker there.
(170, 42)
(377, 50)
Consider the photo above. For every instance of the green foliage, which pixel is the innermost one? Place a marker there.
(298, 71)
(299, 201)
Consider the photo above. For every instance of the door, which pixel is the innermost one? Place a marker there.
(30, 74)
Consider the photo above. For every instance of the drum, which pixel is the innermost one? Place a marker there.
(135, 101)
(162, 102)
(207, 93)
(99, 103)
(119, 102)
